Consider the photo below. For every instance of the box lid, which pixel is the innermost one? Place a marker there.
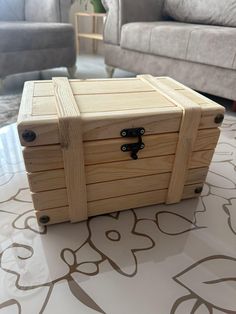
(107, 106)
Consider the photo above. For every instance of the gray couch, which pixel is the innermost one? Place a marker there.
(192, 41)
(35, 35)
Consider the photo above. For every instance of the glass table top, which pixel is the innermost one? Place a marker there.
(177, 259)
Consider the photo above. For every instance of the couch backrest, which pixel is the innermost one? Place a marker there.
(42, 10)
(216, 12)
(12, 10)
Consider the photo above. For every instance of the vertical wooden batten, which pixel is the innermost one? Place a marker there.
(70, 131)
(187, 136)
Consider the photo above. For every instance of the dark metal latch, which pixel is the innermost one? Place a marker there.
(133, 147)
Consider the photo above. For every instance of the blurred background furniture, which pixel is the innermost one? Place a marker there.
(35, 35)
(194, 44)
(94, 35)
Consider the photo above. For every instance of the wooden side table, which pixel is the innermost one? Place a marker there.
(95, 36)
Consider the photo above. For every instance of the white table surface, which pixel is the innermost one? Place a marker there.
(177, 259)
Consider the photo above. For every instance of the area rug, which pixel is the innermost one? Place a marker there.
(9, 107)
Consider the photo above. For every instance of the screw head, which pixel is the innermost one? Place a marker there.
(44, 219)
(142, 146)
(123, 148)
(142, 131)
(28, 135)
(123, 133)
(219, 118)
(198, 190)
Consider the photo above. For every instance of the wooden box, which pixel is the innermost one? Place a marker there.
(98, 146)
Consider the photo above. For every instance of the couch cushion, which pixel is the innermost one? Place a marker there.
(216, 12)
(16, 36)
(12, 10)
(212, 45)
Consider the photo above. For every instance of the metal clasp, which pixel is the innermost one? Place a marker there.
(133, 147)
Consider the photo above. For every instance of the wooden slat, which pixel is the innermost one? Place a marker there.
(201, 159)
(128, 169)
(135, 201)
(89, 87)
(111, 189)
(116, 188)
(207, 139)
(55, 179)
(155, 145)
(96, 125)
(121, 101)
(43, 88)
(45, 105)
(73, 158)
(50, 157)
(46, 126)
(47, 180)
(110, 150)
(51, 199)
(147, 166)
(187, 136)
(43, 158)
(58, 215)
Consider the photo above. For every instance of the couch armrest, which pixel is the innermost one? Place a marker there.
(54, 11)
(121, 12)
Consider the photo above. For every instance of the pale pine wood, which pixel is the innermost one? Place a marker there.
(206, 139)
(43, 89)
(71, 140)
(214, 105)
(44, 105)
(55, 179)
(200, 159)
(109, 190)
(135, 201)
(147, 166)
(47, 180)
(91, 36)
(128, 169)
(41, 158)
(94, 35)
(187, 136)
(95, 152)
(104, 190)
(90, 14)
(102, 151)
(46, 126)
(155, 145)
(95, 125)
(91, 87)
(121, 101)
(56, 215)
(51, 199)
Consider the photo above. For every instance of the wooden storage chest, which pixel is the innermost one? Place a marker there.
(98, 146)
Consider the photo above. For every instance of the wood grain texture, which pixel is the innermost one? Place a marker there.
(56, 215)
(47, 180)
(118, 203)
(50, 157)
(51, 199)
(72, 148)
(187, 136)
(135, 201)
(45, 124)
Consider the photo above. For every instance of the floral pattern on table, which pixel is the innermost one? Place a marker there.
(176, 259)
